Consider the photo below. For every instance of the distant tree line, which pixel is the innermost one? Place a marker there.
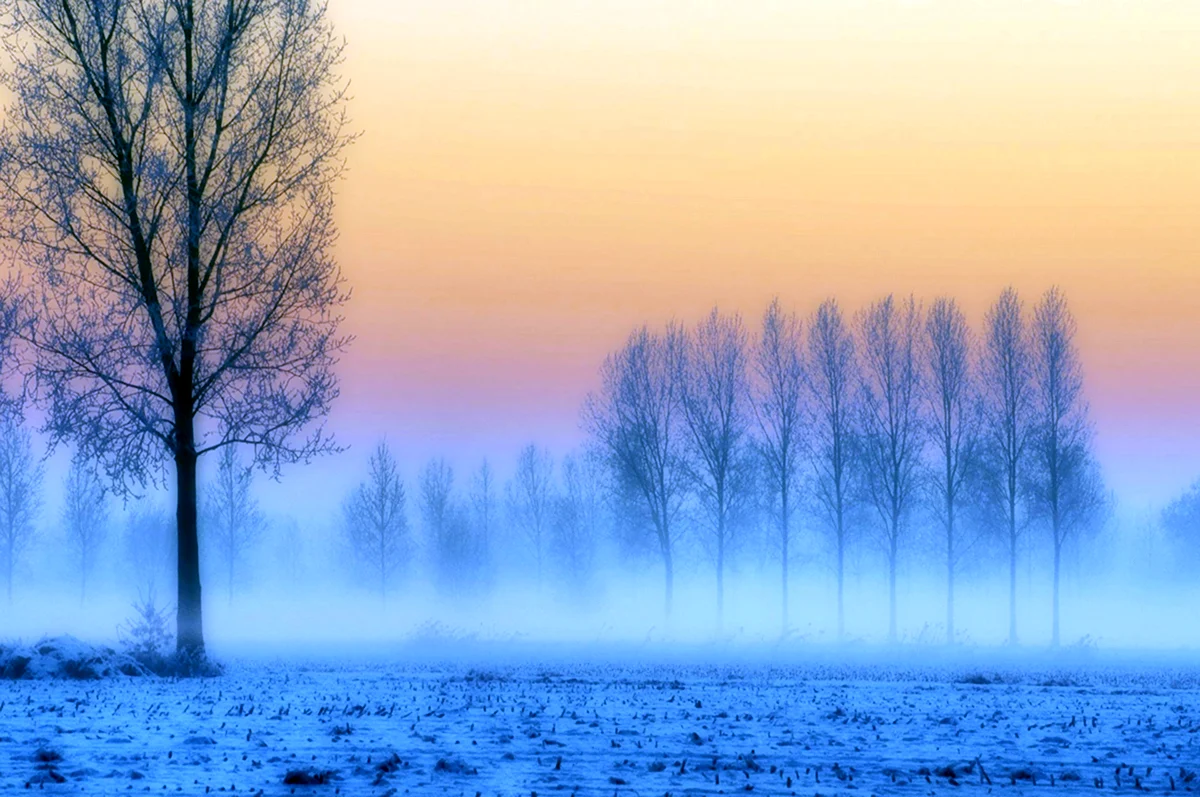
(858, 428)
(899, 414)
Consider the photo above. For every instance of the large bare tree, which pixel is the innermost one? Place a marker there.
(779, 409)
(634, 419)
(893, 436)
(168, 170)
(376, 519)
(84, 517)
(531, 502)
(832, 380)
(1067, 491)
(953, 427)
(20, 494)
(714, 395)
(1006, 392)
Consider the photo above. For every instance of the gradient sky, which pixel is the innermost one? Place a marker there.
(536, 178)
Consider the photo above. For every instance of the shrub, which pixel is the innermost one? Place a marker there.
(147, 636)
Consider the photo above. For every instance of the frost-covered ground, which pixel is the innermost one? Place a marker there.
(562, 726)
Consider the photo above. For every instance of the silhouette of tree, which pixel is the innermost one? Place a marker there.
(375, 518)
(234, 524)
(953, 424)
(1006, 390)
(892, 421)
(634, 419)
(832, 379)
(1066, 489)
(84, 517)
(714, 396)
(20, 495)
(168, 171)
(779, 409)
(531, 501)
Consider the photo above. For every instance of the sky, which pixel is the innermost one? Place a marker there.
(536, 178)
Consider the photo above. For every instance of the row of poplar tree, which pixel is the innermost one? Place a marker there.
(899, 415)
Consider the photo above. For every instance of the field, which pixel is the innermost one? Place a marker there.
(563, 726)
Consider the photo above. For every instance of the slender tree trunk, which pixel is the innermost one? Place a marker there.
(669, 573)
(1054, 634)
(8, 563)
(841, 579)
(892, 587)
(720, 576)
(1012, 575)
(784, 585)
(949, 570)
(189, 612)
(230, 585)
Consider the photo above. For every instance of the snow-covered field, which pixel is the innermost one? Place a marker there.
(518, 727)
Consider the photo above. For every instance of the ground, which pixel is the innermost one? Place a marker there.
(610, 728)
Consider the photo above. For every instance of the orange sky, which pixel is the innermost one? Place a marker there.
(537, 177)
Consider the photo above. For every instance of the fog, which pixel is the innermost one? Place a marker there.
(1125, 586)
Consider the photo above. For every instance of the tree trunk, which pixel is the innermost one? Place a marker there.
(669, 574)
(8, 567)
(720, 580)
(892, 590)
(230, 595)
(1054, 635)
(189, 613)
(784, 586)
(949, 572)
(1012, 580)
(841, 581)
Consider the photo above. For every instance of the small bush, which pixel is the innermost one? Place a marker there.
(146, 637)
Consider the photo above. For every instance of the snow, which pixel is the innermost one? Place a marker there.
(66, 657)
(606, 727)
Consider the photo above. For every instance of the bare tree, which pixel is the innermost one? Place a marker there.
(20, 494)
(949, 392)
(149, 540)
(446, 526)
(1067, 490)
(531, 501)
(483, 504)
(168, 170)
(1006, 392)
(892, 422)
(233, 522)
(779, 408)
(832, 379)
(577, 520)
(375, 518)
(634, 419)
(714, 396)
(84, 517)
(1180, 519)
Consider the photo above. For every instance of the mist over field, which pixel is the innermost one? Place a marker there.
(1127, 586)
